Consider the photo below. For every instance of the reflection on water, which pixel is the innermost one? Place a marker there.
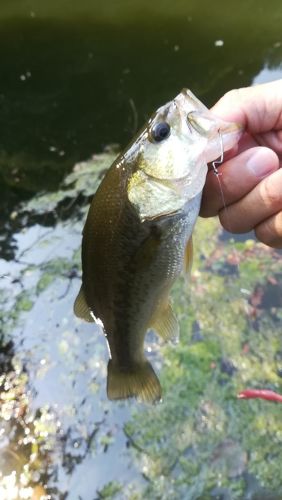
(61, 437)
(268, 74)
(72, 83)
(54, 410)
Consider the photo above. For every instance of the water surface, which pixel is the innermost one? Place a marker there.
(76, 77)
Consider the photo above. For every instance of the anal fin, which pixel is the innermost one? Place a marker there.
(80, 307)
(140, 382)
(165, 323)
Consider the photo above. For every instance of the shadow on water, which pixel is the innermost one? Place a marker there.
(68, 88)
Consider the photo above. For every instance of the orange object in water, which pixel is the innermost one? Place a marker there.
(260, 394)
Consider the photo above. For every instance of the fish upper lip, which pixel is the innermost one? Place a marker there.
(223, 126)
(232, 127)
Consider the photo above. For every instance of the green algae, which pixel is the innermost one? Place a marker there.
(200, 410)
(110, 490)
(83, 180)
(201, 441)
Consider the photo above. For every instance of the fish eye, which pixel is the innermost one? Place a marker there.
(160, 131)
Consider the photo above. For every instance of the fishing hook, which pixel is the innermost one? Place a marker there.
(220, 161)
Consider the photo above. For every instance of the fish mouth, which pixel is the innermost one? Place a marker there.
(220, 135)
(188, 112)
(191, 100)
(201, 118)
(186, 102)
(206, 123)
(229, 132)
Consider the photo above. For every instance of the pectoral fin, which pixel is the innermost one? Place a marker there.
(81, 309)
(188, 259)
(165, 323)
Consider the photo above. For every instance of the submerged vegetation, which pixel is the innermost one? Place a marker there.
(200, 442)
(202, 439)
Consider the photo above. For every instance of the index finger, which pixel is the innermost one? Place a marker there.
(239, 175)
(258, 108)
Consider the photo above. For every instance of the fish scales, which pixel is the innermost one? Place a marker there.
(137, 236)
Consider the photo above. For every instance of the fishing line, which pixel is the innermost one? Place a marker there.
(215, 164)
(248, 393)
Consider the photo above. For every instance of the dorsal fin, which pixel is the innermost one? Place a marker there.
(80, 307)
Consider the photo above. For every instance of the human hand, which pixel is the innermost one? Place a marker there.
(251, 179)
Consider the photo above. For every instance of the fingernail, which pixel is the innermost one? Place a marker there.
(262, 163)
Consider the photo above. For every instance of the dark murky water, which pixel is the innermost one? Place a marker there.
(71, 84)
(75, 78)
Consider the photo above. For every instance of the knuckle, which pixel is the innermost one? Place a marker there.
(229, 222)
(264, 233)
(271, 195)
(231, 95)
(234, 95)
(269, 231)
(278, 141)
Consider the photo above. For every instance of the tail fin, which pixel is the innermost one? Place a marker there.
(141, 382)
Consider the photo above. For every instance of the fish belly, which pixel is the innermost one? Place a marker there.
(129, 267)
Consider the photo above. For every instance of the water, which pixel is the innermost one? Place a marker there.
(75, 78)
(70, 75)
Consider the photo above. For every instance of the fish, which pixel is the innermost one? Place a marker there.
(137, 237)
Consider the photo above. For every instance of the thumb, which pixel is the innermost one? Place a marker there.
(257, 108)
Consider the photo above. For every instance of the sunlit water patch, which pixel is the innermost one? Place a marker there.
(60, 436)
(57, 425)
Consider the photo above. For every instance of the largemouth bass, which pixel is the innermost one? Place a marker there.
(137, 236)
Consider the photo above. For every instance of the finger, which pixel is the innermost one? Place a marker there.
(270, 231)
(271, 139)
(245, 142)
(239, 175)
(257, 108)
(258, 205)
